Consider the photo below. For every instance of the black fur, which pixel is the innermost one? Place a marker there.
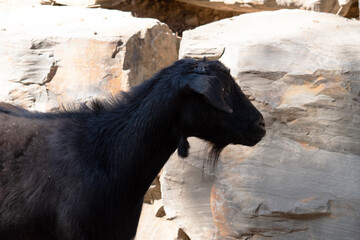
(81, 174)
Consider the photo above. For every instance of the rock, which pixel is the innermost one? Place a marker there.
(84, 3)
(302, 180)
(186, 188)
(154, 227)
(160, 212)
(154, 222)
(79, 3)
(154, 191)
(182, 15)
(178, 16)
(55, 55)
(16, 4)
(182, 235)
(345, 8)
(281, 187)
(340, 7)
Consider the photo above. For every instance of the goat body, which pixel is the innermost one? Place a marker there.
(82, 174)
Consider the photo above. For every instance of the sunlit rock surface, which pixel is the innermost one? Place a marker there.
(51, 56)
(302, 181)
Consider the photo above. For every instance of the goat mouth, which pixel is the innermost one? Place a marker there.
(251, 140)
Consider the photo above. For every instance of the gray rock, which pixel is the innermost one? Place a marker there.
(51, 56)
(301, 69)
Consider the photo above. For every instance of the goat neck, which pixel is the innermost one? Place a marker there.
(139, 135)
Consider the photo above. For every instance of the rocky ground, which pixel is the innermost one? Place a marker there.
(300, 68)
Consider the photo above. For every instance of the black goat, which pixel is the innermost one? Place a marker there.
(82, 174)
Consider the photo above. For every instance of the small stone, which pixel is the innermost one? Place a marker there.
(161, 212)
(182, 235)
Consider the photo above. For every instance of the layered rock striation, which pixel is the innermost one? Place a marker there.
(301, 69)
(51, 56)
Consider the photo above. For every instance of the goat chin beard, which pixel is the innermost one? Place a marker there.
(213, 153)
(213, 156)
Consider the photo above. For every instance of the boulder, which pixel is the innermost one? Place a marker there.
(345, 8)
(77, 3)
(182, 15)
(16, 4)
(154, 223)
(51, 56)
(84, 3)
(186, 189)
(301, 70)
(179, 16)
(340, 7)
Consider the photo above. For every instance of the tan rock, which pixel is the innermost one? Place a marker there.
(78, 3)
(55, 55)
(154, 192)
(16, 4)
(301, 69)
(179, 16)
(83, 3)
(153, 227)
(340, 7)
(186, 192)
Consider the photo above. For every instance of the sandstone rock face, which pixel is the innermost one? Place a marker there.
(186, 193)
(179, 16)
(55, 55)
(301, 69)
(13, 4)
(83, 3)
(77, 3)
(154, 226)
(340, 7)
(345, 8)
(182, 15)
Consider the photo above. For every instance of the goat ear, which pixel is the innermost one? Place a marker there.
(211, 89)
(183, 147)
